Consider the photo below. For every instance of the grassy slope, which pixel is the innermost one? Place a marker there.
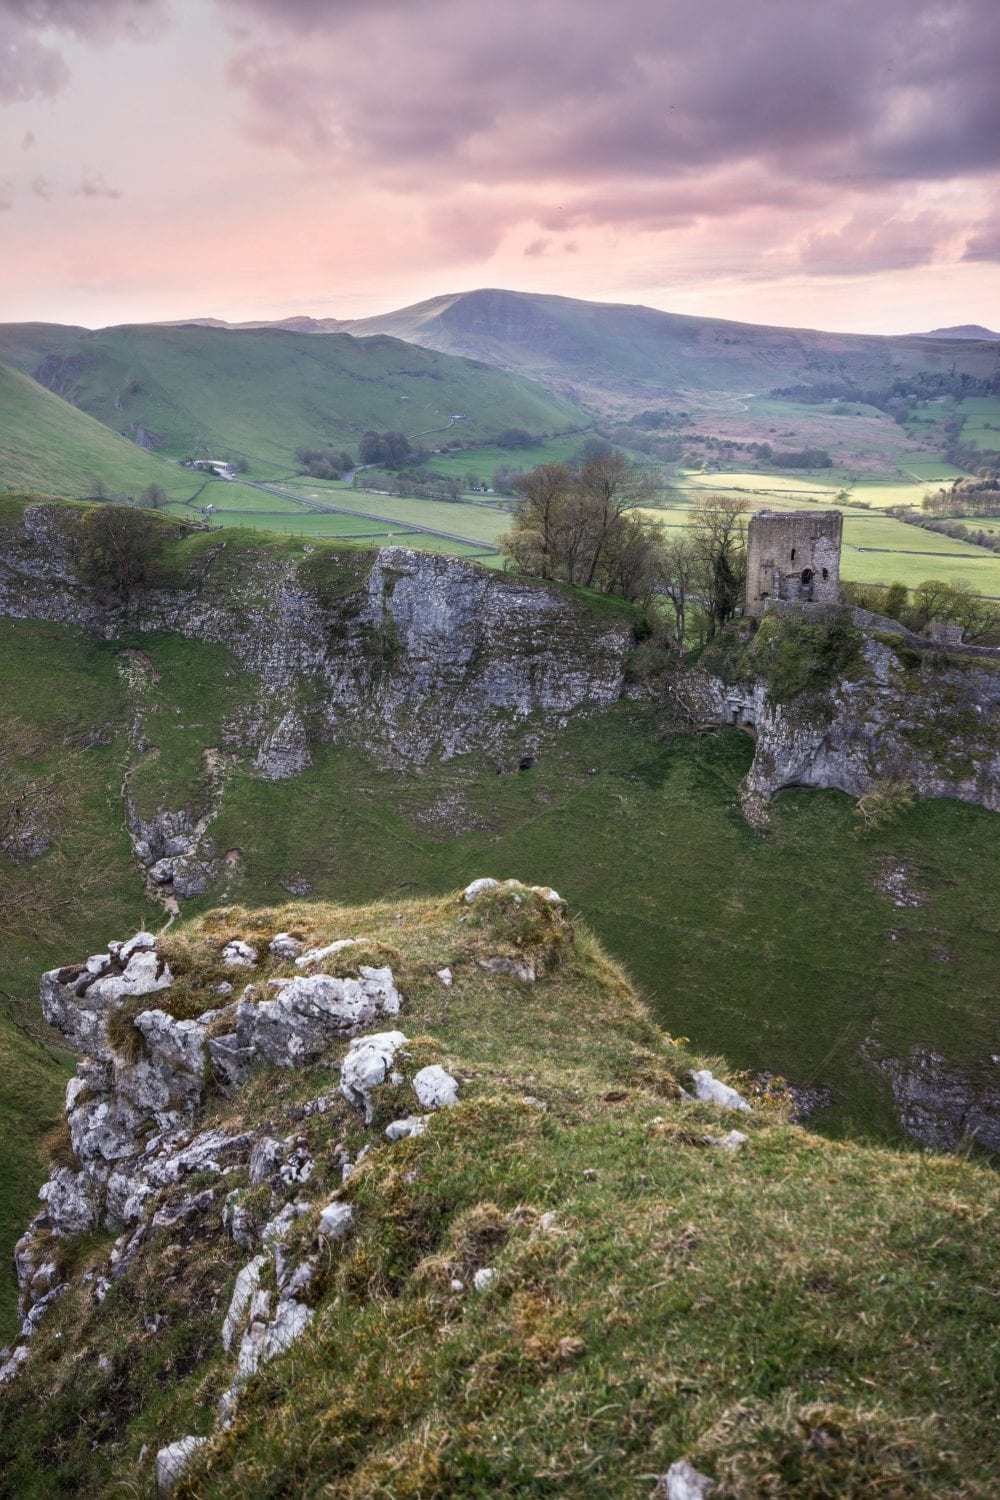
(830, 1303)
(56, 688)
(48, 447)
(730, 935)
(261, 394)
(777, 951)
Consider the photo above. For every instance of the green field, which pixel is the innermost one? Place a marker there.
(981, 425)
(877, 548)
(469, 526)
(484, 461)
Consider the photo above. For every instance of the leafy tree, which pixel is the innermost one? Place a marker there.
(119, 549)
(153, 496)
(324, 463)
(516, 437)
(387, 449)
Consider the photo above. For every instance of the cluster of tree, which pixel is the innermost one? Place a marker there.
(578, 524)
(516, 437)
(656, 419)
(153, 496)
(980, 497)
(957, 530)
(923, 385)
(387, 450)
(324, 463)
(505, 479)
(950, 603)
(801, 458)
(706, 566)
(574, 522)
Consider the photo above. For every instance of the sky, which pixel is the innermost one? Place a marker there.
(821, 163)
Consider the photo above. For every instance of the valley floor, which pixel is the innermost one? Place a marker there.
(815, 952)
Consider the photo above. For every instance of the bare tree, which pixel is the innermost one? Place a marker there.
(537, 542)
(680, 571)
(608, 485)
(719, 533)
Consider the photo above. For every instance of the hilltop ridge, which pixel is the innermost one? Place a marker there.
(471, 1225)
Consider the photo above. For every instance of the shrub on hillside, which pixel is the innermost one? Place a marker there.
(118, 549)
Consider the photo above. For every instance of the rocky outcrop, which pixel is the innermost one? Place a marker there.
(408, 654)
(132, 1118)
(929, 720)
(144, 1168)
(939, 1104)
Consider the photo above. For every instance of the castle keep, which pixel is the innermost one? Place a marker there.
(794, 556)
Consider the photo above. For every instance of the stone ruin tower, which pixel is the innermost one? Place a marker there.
(793, 555)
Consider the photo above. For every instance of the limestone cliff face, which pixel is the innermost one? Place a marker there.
(930, 720)
(409, 654)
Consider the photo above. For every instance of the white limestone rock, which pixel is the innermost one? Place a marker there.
(732, 1141)
(40, 1308)
(246, 1286)
(484, 1278)
(336, 1221)
(78, 998)
(239, 955)
(265, 1159)
(283, 945)
(73, 1200)
(446, 977)
(366, 1067)
(479, 887)
(319, 955)
(435, 1088)
(276, 1229)
(520, 968)
(264, 1340)
(548, 894)
(173, 1460)
(683, 1482)
(237, 1221)
(298, 1165)
(401, 1130)
(712, 1090)
(307, 1014)
(10, 1367)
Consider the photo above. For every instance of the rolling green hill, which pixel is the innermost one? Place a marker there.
(48, 447)
(261, 394)
(600, 351)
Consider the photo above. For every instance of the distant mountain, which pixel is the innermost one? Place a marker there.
(961, 331)
(602, 353)
(261, 394)
(49, 447)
